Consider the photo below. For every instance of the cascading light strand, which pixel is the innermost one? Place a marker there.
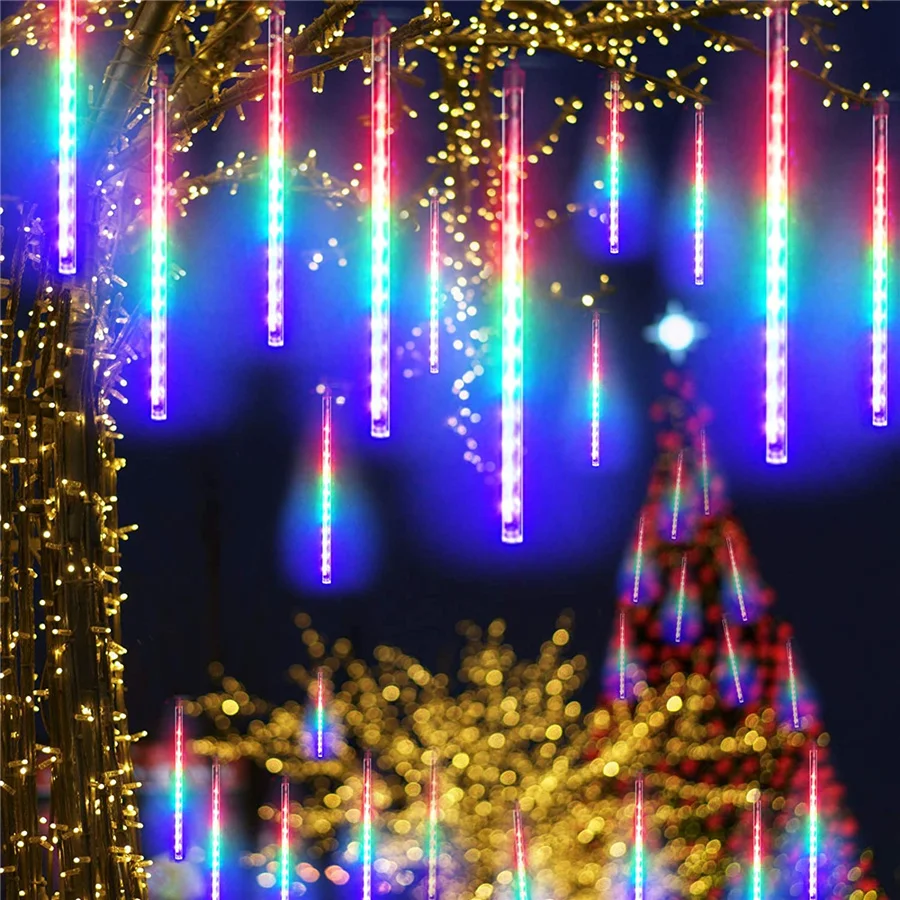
(320, 713)
(639, 838)
(513, 308)
(380, 400)
(705, 471)
(178, 842)
(285, 838)
(792, 686)
(434, 256)
(733, 662)
(276, 179)
(757, 848)
(679, 609)
(638, 561)
(327, 485)
(368, 848)
(880, 263)
(699, 189)
(434, 809)
(596, 385)
(813, 822)
(614, 101)
(68, 113)
(215, 892)
(676, 502)
(776, 232)
(521, 857)
(738, 589)
(159, 250)
(621, 655)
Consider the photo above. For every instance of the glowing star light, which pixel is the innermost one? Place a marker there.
(792, 684)
(732, 659)
(639, 838)
(513, 308)
(738, 589)
(159, 250)
(216, 835)
(699, 154)
(380, 400)
(434, 322)
(521, 861)
(178, 843)
(776, 232)
(757, 848)
(434, 801)
(276, 179)
(367, 837)
(68, 106)
(614, 103)
(679, 615)
(327, 486)
(595, 390)
(879, 263)
(675, 332)
(320, 714)
(813, 822)
(285, 839)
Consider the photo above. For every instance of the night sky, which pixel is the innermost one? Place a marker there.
(224, 491)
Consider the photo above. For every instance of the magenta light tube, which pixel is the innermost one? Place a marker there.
(732, 659)
(699, 188)
(880, 263)
(639, 838)
(737, 579)
(327, 486)
(68, 119)
(159, 251)
(276, 179)
(621, 655)
(521, 860)
(614, 101)
(813, 822)
(178, 842)
(595, 389)
(434, 312)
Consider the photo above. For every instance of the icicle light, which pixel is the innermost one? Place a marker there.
(639, 838)
(595, 390)
(699, 188)
(757, 848)
(320, 713)
(813, 822)
(285, 838)
(276, 179)
(381, 231)
(776, 232)
(676, 502)
(367, 836)
(327, 486)
(513, 308)
(68, 112)
(521, 860)
(679, 613)
(434, 256)
(434, 808)
(621, 655)
(638, 560)
(705, 471)
(733, 662)
(736, 575)
(880, 263)
(178, 842)
(614, 101)
(159, 250)
(792, 685)
(215, 892)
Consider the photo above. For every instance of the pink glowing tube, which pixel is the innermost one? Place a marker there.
(276, 179)
(434, 321)
(327, 486)
(757, 849)
(68, 113)
(513, 308)
(677, 501)
(737, 579)
(679, 614)
(595, 390)
(367, 826)
(178, 843)
(285, 838)
(159, 250)
(621, 655)
(639, 838)
(813, 822)
(521, 892)
(699, 188)
(879, 263)
(792, 683)
(638, 559)
(380, 351)
(776, 232)
(732, 659)
(705, 471)
(614, 101)
(434, 808)
(320, 713)
(216, 835)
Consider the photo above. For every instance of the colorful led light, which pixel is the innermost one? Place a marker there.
(367, 841)
(621, 655)
(776, 232)
(679, 615)
(276, 179)
(879, 262)
(285, 838)
(732, 659)
(638, 559)
(757, 848)
(216, 835)
(737, 579)
(614, 162)
(159, 250)
(178, 843)
(327, 486)
(521, 860)
(320, 714)
(677, 500)
(68, 110)
(639, 838)
(813, 822)
(381, 231)
(434, 806)
(792, 682)
(434, 325)
(705, 470)
(513, 308)
(595, 390)
(699, 187)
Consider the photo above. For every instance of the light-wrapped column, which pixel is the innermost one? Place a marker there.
(159, 250)
(275, 319)
(880, 263)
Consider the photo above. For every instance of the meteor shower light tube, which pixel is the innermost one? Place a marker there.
(276, 179)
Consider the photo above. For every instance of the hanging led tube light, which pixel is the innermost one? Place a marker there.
(676, 502)
(275, 319)
(621, 655)
(68, 111)
(434, 809)
(614, 100)
(380, 400)
(705, 471)
(178, 842)
(792, 686)
(733, 662)
(638, 560)
(757, 848)
(513, 308)
(679, 612)
(159, 250)
(738, 588)
(880, 263)
(434, 259)
(776, 232)
(813, 822)
(595, 390)
(285, 838)
(521, 860)
(320, 713)
(367, 825)
(327, 486)
(639, 838)
(699, 189)
(215, 892)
